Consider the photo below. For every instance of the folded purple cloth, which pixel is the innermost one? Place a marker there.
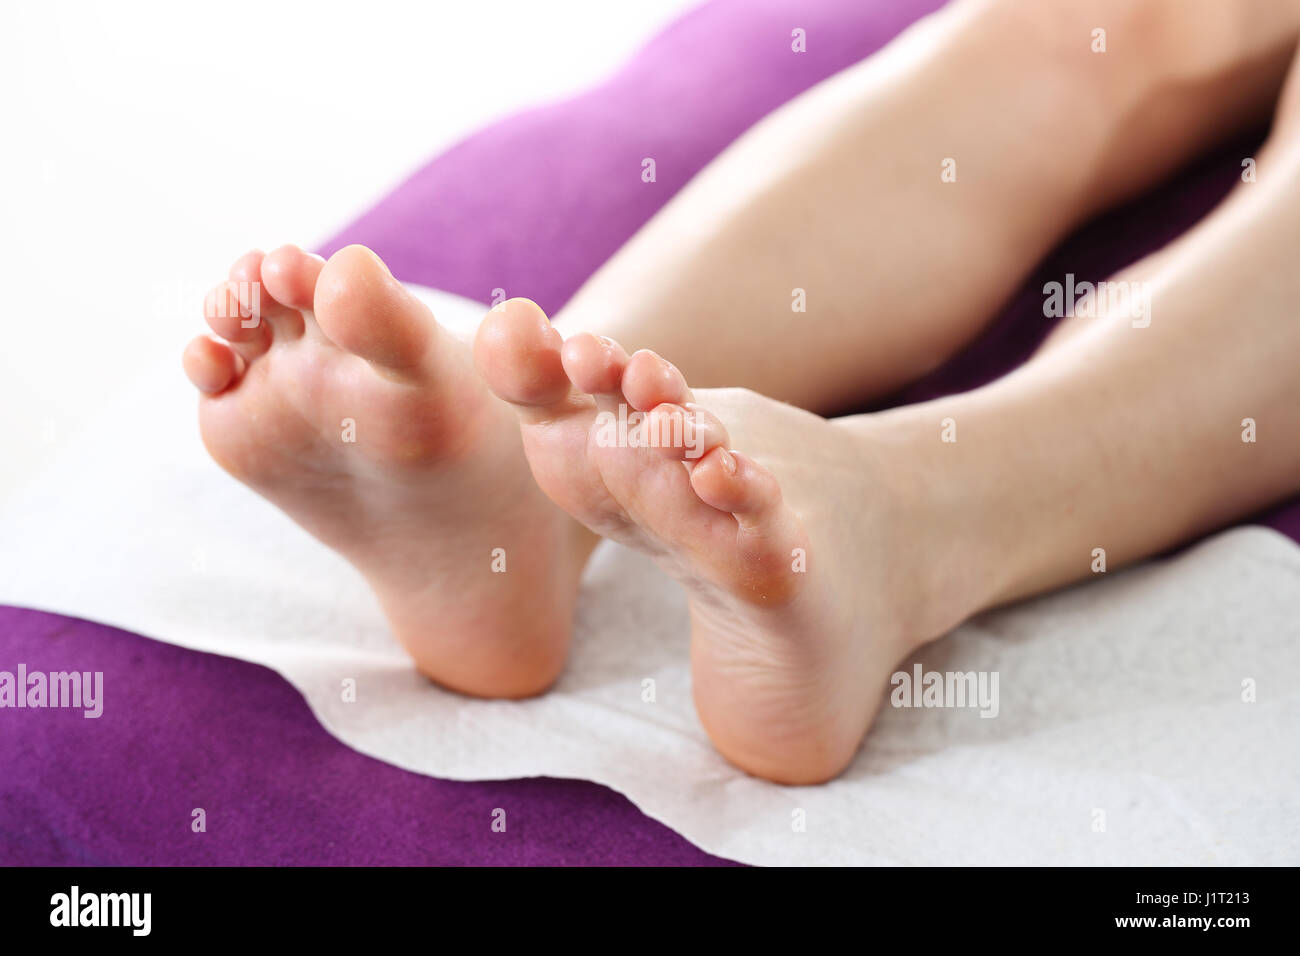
(532, 205)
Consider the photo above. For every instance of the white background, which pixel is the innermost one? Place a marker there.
(146, 145)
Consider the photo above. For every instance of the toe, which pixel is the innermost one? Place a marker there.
(361, 308)
(683, 432)
(730, 481)
(769, 538)
(651, 380)
(595, 364)
(209, 364)
(290, 276)
(256, 300)
(229, 319)
(517, 351)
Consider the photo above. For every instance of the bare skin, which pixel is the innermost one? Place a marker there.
(433, 483)
(839, 193)
(828, 550)
(437, 478)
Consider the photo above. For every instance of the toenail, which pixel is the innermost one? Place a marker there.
(728, 460)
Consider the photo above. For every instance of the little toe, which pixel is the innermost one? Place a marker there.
(770, 541)
(730, 481)
(210, 365)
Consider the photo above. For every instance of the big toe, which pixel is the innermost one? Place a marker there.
(363, 309)
(517, 351)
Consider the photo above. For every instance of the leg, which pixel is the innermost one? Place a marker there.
(839, 193)
(828, 551)
(364, 503)
(1133, 435)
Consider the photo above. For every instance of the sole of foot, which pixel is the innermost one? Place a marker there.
(793, 635)
(332, 391)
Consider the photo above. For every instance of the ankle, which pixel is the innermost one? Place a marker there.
(943, 566)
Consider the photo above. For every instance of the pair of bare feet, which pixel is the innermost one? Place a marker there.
(336, 395)
(815, 557)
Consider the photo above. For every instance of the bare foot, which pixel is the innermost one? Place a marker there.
(809, 576)
(798, 607)
(337, 396)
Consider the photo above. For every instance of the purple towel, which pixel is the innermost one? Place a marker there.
(531, 205)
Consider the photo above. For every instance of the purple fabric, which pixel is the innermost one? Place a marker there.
(182, 730)
(535, 203)
(532, 205)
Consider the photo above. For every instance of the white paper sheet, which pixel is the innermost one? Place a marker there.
(1122, 735)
